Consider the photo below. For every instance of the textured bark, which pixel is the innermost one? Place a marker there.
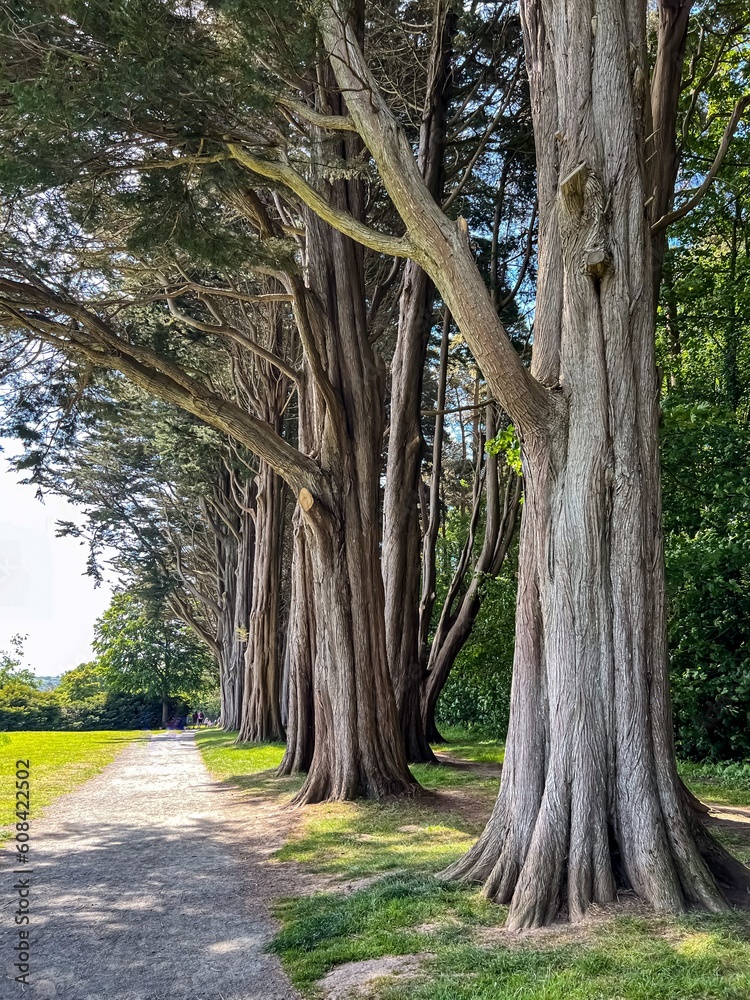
(300, 641)
(401, 529)
(661, 144)
(261, 704)
(235, 554)
(301, 653)
(357, 744)
(266, 389)
(429, 542)
(590, 796)
(357, 749)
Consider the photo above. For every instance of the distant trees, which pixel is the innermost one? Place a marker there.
(140, 651)
(11, 663)
(704, 349)
(81, 683)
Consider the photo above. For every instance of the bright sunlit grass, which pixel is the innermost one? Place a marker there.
(59, 761)
(397, 847)
(469, 957)
(250, 766)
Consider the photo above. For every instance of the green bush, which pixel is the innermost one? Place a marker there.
(706, 461)
(31, 709)
(477, 693)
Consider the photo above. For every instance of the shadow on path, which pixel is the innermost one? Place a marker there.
(148, 884)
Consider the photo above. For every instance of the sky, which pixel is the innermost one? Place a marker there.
(44, 592)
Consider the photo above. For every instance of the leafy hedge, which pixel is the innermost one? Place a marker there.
(109, 711)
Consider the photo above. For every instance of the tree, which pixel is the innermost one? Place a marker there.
(84, 681)
(589, 762)
(11, 664)
(470, 168)
(357, 749)
(140, 651)
(590, 793)
(172, 498)
(702, 346)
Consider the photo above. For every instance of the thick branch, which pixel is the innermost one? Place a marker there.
(165, 380)
(397, 246)
(438, 244)
(334, 123)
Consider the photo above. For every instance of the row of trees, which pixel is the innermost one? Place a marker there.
(238, 214)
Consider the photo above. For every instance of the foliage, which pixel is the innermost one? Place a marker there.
(81, 700)
(727, 783)
(506, 443)
(477, 693)
(82, 682)
(706, 457)
(11, 668)
(143, 652)
(25, 707)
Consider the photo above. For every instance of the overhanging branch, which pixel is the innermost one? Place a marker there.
(395, 246)
(24, 306)
(687, 206)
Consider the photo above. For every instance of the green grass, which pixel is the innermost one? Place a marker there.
(625, 959)
(470, 745)
(726, 784)
(397, 848)
(59, 761)
(250, 767)
(398, 915)
(424, 834)
(694, 958)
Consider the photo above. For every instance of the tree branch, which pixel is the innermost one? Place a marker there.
(396, 246)
(334, 123)
(687, 206)
(438, 245)
(159, 376)
(224, 329)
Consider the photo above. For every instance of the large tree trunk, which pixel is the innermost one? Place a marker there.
(401, 529)
(590, 797)
(235, 552)
(300, 654)
(261, 707)
(402, 567)
(358, 749)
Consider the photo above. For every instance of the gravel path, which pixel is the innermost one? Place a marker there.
(149, 884)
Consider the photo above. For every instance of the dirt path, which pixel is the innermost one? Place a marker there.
(149, 884)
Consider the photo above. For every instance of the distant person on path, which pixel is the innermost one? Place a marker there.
(201, 718)
(196, 718)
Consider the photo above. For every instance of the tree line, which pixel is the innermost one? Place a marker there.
(286, 290)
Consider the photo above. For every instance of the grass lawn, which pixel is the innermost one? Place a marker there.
(59, 762)
(400, 908)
